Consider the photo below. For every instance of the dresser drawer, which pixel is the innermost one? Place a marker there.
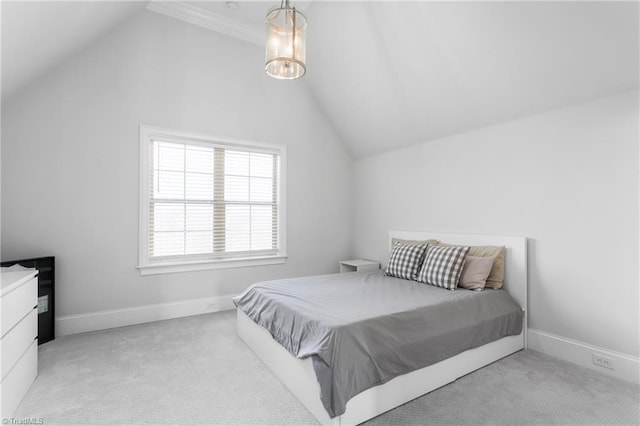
(16, 342)
(18, 381)
(17, 304)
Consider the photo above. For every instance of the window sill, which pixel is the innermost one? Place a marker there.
(203, 265)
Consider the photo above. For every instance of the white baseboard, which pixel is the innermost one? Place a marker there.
(625, 367)
(92, 321)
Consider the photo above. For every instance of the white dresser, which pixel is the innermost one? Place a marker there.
(19, 341)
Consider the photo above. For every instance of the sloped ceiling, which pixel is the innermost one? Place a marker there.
(392, 74)
(39, 35)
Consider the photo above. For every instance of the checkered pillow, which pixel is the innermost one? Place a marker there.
(405, 260)
(442, 266)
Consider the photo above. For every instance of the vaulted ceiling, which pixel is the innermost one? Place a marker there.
(392, 74)
(388, 74)
(37, 36)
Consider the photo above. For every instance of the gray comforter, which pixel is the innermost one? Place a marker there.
(364, 329)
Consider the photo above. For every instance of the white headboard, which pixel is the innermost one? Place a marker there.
(515, 269)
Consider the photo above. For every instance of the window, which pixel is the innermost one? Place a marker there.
(209, 203)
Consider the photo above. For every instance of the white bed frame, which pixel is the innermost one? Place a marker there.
(298, 375)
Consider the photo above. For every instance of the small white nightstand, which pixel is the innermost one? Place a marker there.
(358, 265)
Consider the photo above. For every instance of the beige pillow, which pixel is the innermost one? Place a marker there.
(475, 272)
(496, 276)
(413, 242)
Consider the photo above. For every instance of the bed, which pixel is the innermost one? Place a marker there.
(299, 374)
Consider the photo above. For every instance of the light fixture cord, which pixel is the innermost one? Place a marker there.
(293, 37)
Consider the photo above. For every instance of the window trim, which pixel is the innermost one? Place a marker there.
(148, 267)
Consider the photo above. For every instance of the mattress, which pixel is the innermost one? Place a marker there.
(364, 329)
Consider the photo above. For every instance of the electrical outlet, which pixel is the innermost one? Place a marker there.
(602, 361)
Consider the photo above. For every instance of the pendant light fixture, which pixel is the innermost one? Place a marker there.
(285, 53)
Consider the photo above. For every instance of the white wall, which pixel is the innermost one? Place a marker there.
(567, 180)
(70, 161)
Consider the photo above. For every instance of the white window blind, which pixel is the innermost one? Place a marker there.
(208, 200)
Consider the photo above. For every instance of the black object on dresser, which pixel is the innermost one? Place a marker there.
(46, 267)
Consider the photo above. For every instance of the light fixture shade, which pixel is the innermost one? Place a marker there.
(285, 53)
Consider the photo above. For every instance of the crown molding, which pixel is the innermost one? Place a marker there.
(204, 18)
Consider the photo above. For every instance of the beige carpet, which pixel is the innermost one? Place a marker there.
(196, 370)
